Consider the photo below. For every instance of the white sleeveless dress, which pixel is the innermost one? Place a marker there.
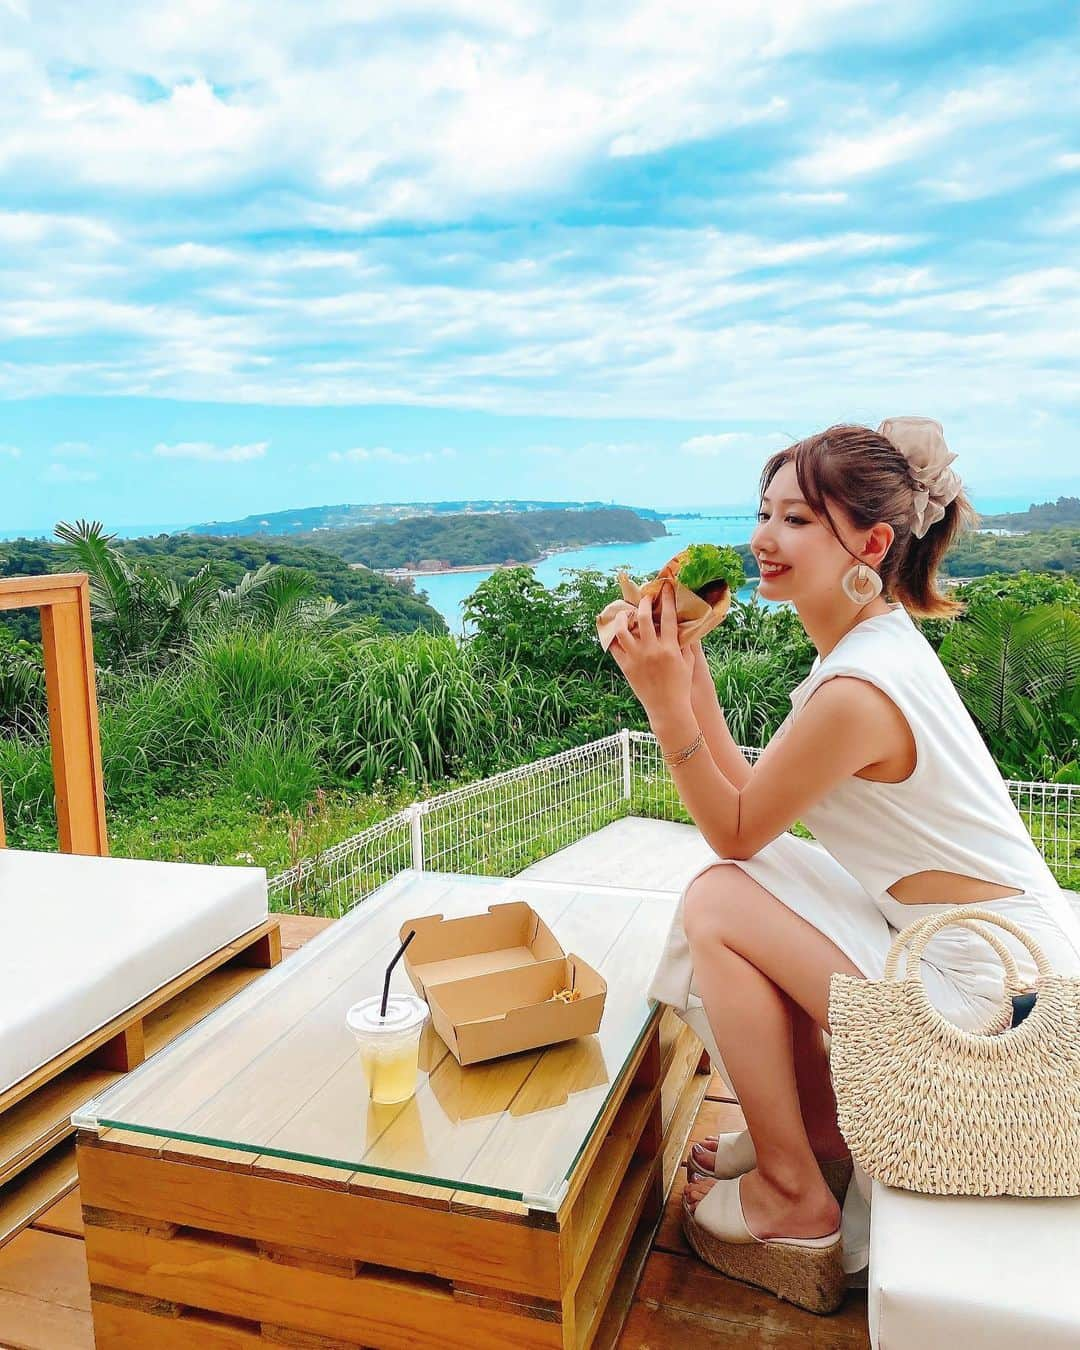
(953, 814)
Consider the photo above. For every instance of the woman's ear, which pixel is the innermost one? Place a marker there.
(878, 543)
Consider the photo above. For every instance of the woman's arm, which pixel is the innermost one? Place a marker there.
(727, 756)
(841, 730)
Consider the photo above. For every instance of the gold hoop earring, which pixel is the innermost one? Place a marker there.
(861, 584)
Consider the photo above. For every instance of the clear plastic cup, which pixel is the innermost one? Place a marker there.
(389, 1045)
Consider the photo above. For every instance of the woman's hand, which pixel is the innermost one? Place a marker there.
(658, 670)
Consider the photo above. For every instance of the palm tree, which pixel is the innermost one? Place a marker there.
(142, 617)
(1017, 668)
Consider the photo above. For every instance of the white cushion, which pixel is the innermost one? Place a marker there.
(949, 1271)
(86, 938)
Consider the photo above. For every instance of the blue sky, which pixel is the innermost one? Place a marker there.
(260, 255)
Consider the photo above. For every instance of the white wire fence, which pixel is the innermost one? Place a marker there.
(499, 825)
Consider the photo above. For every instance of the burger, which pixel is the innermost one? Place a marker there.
(703, 577)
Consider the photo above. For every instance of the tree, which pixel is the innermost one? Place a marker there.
(142, 617)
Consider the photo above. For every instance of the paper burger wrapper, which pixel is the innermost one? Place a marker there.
(696, 617)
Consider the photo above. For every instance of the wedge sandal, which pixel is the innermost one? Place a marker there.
(735, 1154)
(807, 1272)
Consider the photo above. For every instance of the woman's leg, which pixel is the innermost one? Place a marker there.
(753, 958)
(817, 1102)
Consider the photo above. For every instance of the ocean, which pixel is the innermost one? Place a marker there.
(448, 592)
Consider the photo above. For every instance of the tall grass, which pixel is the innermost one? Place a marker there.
(432, 707)
(277, 714)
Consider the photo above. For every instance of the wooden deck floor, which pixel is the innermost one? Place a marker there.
(678, 1304)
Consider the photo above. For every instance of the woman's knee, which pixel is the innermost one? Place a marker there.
(705, 904)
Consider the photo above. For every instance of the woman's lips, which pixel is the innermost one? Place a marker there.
(771, 569)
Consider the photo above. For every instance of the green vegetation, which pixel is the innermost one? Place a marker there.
(1050, 550)
(320, 518)
(460, 541)
(253, 721)
(177, 558)
(1065, 511)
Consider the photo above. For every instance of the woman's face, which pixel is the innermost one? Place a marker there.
(788, 534)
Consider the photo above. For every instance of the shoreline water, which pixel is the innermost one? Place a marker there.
(493, 567)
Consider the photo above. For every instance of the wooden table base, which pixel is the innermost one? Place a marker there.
(196, 1246)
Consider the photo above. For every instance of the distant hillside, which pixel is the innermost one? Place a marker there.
(305, 519)
(1055, 549)
(1065, 511)
(461, 540)
(394, 604)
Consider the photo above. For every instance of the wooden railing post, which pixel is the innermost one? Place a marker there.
(67, 646)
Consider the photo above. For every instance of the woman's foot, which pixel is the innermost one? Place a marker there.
(826, 1148)
(772, 1210)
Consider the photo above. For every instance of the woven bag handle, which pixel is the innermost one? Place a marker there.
(919, 933)
(1012, 975)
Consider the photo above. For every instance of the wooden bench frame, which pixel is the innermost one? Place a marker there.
(68, 649)
(37, 1154)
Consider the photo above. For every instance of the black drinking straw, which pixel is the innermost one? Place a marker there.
(390, 971)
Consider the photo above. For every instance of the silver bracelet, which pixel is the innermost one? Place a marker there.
(681, 756)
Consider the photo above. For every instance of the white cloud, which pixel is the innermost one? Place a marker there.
(207, 452)
(64, 473)
(817, 267)
(468, 102)
(729, 444)
(360, 454)
(12, 451)
(190, 139)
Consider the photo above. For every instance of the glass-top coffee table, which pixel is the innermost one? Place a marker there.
(244, 1173)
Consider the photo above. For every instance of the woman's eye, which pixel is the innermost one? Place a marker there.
(792, 520)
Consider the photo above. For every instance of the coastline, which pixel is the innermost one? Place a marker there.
(400, 572)
(481, 567)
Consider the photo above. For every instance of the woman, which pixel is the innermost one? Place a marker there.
(880, 759)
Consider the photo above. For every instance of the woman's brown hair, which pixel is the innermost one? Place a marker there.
(864, 473)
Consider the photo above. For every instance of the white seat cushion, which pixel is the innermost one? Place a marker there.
(949, 1271)
(86, 938)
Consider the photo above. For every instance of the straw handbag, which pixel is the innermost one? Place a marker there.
(927, 1106)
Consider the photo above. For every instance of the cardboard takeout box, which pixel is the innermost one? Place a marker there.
(488, 980)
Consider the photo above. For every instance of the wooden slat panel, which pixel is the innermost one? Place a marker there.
(600, 1274)
(607, 1175)
(677, 1130)
(399, 1137)
(65, 1217)
(392, 1312)
(684, 1054)
(118, 1327)
(191, 1005)
(33, 1126)
(33, 1191)
(406, 1237)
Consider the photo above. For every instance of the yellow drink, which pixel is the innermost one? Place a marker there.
(391, 1070)
(389, 1045)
